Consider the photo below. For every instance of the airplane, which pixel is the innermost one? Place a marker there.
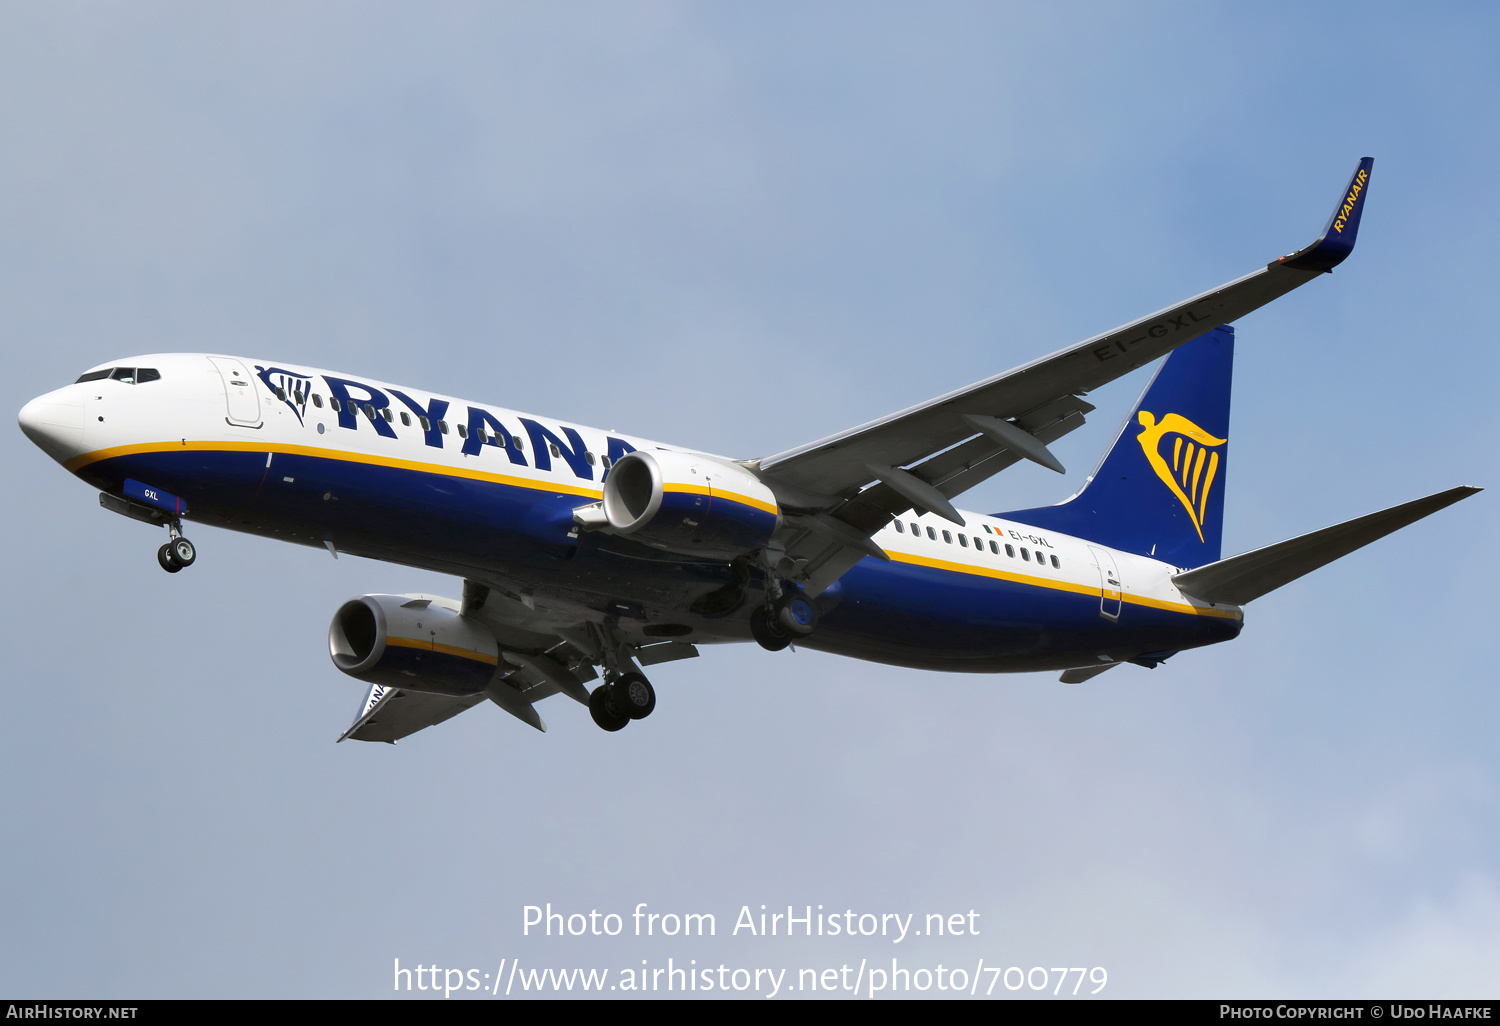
(587, 555)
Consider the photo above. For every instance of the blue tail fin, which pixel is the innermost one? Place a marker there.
(1159, 491)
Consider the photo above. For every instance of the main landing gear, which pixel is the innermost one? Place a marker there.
(178, 552)
(787, 617)
(629, 696)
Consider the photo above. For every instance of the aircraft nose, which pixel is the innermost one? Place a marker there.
(55, 423)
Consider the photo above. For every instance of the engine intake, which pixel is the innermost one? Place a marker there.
(689, 503)
(416, 642)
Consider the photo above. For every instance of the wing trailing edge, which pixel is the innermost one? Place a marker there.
(1244, 578)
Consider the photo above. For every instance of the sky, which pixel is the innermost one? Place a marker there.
(740, 228)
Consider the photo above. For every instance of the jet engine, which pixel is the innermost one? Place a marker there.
(415, 642)
(689, 503)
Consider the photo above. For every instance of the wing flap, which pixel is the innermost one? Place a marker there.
(951, 472)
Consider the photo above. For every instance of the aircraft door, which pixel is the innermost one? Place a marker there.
(239, 392)
(1110, 595)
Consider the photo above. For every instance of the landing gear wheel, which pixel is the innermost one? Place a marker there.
(183, 552)
(767, 634)
(164, 557)
(796, 614)
(603, 709)
(635, 695)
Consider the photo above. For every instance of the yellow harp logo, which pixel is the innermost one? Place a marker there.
(1191, 472)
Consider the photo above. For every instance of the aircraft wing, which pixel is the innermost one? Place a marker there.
(389, 714)
(838, 491)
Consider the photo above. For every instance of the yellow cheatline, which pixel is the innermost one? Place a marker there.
(746, 500)
(429, 646)
(522, 482)
(1055, 585)
(683, 488)
(472, 474)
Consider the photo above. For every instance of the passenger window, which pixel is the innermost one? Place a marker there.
(146, 374)
(317, 400)
(281, 394)
(443, 426)
(1056, 564)
(979, 544)
(517, 441)
(405, 419)
(932, 534)
(98, 375)
(994, 547)
(947, 537)
(426, 424)
(388, 415)
(605, 462)
(590, 457)
(916, 530)
(297, 397)
(1010, 551)
(556, 452)
(333, 404)
(463, 431)
(899, 528)
(1025, 555)
(963, 540)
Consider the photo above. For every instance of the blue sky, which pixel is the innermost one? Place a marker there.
(740, 228)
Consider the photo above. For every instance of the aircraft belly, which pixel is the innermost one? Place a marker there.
(928, 618)
(899, 612)
(431, 520)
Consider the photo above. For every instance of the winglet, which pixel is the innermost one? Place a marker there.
(1337, 240)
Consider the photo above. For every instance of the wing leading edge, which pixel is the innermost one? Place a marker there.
(862, 477)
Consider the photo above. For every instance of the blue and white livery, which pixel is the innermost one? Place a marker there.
(588, 554)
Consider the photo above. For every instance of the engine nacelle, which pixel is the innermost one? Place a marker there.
(416, 642)
(689, 503)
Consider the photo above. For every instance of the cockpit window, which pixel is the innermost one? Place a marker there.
(129, 375)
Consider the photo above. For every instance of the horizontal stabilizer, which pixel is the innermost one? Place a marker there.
(1241, 579)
